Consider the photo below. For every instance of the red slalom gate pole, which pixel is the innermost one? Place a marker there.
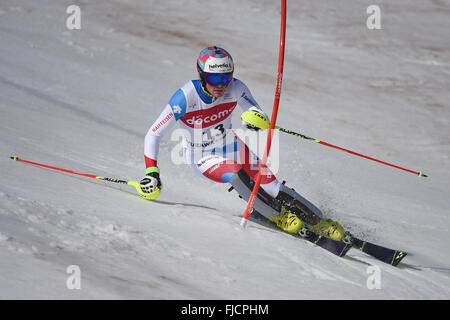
(276, 103)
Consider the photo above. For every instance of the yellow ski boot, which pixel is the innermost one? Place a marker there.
(330, 229)
(288, 221)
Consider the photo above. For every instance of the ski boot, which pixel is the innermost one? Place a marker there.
(288, 210)
(288, 221)
(310, 214)
(330, 229)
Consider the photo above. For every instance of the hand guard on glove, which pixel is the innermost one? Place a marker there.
(254, 117)
(151, 181)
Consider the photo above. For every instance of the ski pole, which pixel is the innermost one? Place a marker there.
(418, 173)
(150, 196)
(258, 120)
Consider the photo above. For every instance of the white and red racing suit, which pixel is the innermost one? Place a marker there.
(210, 147)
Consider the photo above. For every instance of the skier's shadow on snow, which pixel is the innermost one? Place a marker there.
(116, 186)
(181, 204)
(170, 203)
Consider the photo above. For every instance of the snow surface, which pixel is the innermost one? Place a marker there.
(84, 99)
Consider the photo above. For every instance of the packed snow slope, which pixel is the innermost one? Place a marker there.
(84, 100)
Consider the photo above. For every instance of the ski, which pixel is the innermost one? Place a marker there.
(386, 255)
(339, 248)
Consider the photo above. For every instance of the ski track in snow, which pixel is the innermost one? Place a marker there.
(84, 99)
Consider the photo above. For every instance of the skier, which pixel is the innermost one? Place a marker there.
(203, 109)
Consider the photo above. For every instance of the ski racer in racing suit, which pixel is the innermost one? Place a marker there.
(203, 109)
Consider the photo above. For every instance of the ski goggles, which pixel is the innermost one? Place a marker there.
(216, 79)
